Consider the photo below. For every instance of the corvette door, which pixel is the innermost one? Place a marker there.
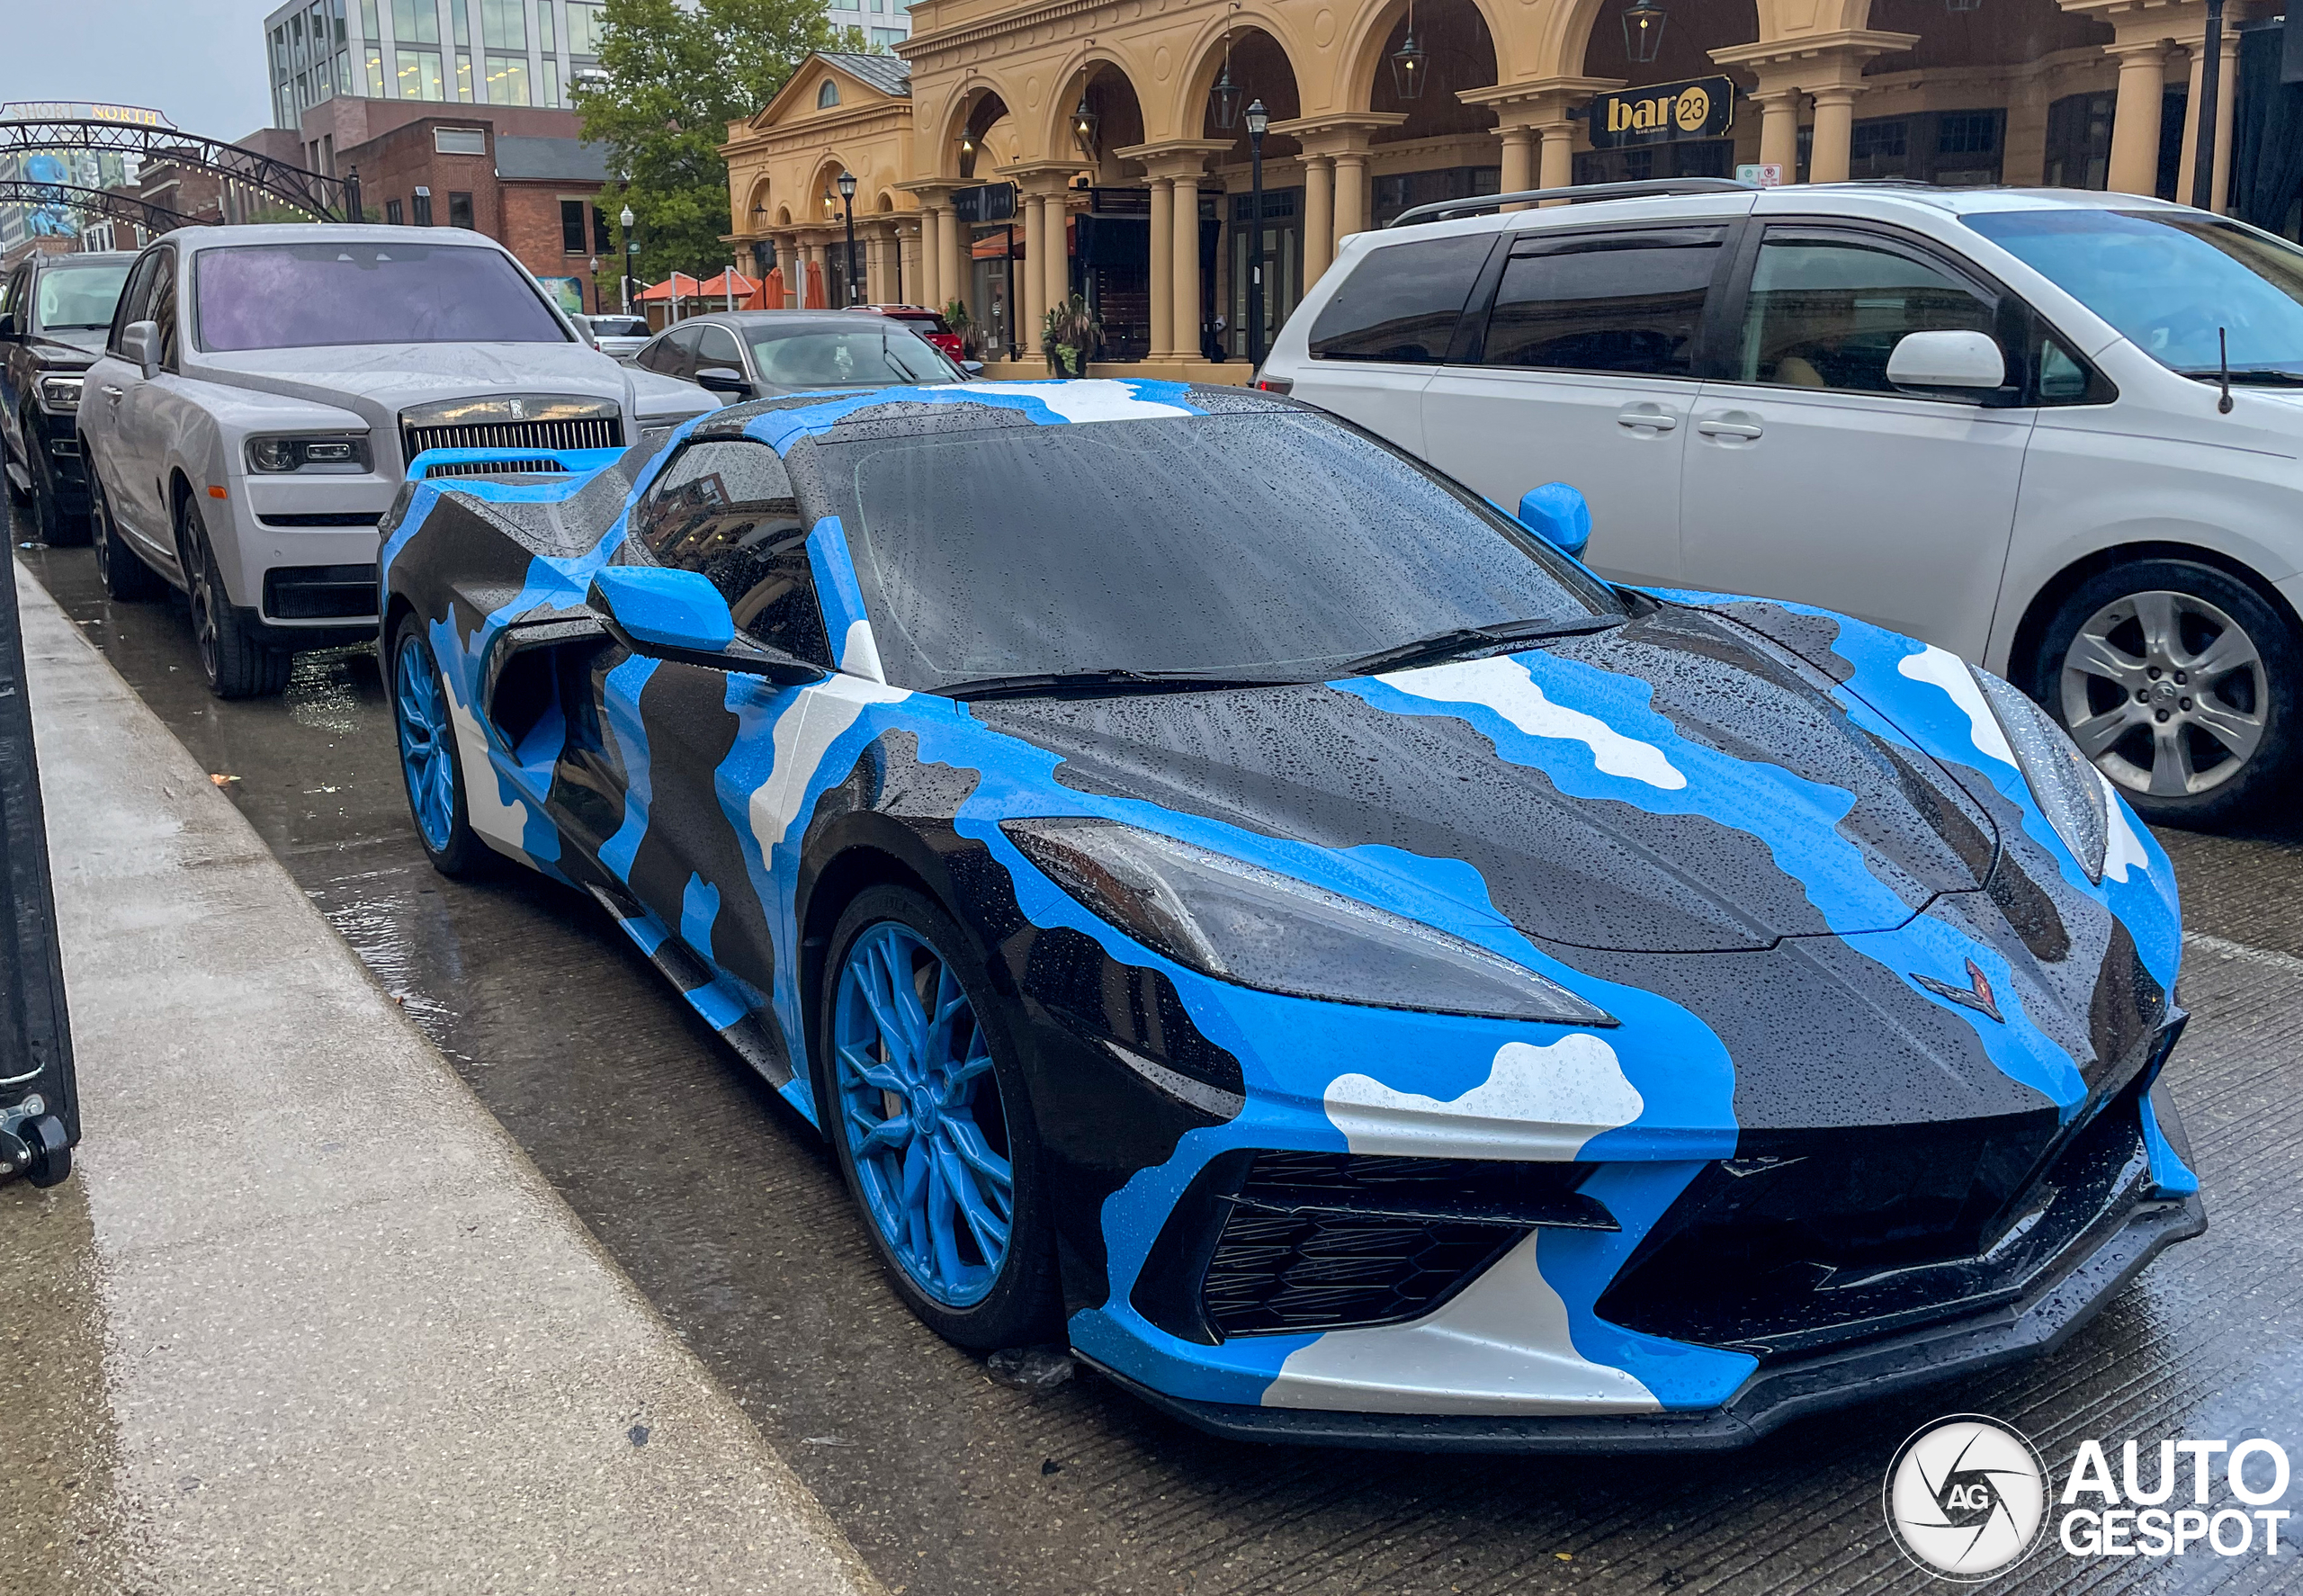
(1585, 375)
(1810, 477)
(659, 787)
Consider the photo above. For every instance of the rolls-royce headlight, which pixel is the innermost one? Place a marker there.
(1242, 923)
(2069, 789)
(332, 452)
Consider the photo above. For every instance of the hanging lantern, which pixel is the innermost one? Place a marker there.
(1083, 127)
(1223, 99)
(1643, 31)
(1408, 64)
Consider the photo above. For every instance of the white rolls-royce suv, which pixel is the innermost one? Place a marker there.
(263, 390)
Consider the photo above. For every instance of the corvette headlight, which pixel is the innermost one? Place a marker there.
(335, 451)
(2069, 789)
(60, 394)
(1241, 923)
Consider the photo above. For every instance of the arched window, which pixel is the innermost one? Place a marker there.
(827, 94)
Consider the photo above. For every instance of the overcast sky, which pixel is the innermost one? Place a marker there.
(199, 61)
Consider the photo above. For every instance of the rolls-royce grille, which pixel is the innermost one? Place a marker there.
(510, 466)
(597, 432)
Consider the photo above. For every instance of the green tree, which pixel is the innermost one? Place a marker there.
(673, 77)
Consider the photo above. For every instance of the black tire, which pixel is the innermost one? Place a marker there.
(125, 577)
(2184, 746)
(57, 529)
(1022, 1306)
(462, 853)
(237, 664)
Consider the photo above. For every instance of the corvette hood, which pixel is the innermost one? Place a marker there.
(1672, 786)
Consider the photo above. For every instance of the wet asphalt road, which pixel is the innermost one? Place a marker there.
(729, 1213)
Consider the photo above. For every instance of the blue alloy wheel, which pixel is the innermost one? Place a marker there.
(920, 1106)
(423, 734)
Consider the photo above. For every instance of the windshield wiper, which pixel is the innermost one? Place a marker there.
(1054, 682)
(1472, 640)
(2266, 376)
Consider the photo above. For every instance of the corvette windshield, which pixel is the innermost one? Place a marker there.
(310, 296)
(2170, 281)
(1274, 546)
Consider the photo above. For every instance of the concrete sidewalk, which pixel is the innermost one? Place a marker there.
(305, 1319)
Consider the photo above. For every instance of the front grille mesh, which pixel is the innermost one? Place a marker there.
(1274, 1273)
(601, 432)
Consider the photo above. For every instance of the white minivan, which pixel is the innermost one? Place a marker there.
(2053, 431)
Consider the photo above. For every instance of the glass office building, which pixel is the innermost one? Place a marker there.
(471, 52)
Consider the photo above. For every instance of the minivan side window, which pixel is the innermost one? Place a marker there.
(726, 510)
(716, 347)
(1402, 301)
(1622, 303)
(1828, 313)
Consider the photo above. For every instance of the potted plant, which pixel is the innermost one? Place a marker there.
(1072, 333)
(971, 337)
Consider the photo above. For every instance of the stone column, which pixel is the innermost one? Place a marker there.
(1556, 166)
(1779, 131)
(2226, 100)
(1318, 217)
(1350, 193)
(1519, 162)
(956, 267)
(1828, 154)
(2189, 166)
(2135, 118)
(876, 267)
(1163, 285)
(928, 254)
(1023, 286)
(1187, 284)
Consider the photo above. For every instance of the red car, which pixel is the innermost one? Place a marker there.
(927, 323)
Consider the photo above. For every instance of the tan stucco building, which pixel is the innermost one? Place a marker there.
(1103, 116)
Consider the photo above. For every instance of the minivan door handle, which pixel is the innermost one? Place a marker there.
(1730, 424)
(1648, 415)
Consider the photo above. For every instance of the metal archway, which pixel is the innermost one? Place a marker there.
(151, 217)
(319, 196)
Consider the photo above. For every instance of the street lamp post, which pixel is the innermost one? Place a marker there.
(631, 248)
(1258, 120)
(848, 203)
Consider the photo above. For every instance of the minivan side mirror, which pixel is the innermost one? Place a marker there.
(139, 346)
(8, 334)
(974, 368)
(1560, 514)
(678, 615)
(1948, 364)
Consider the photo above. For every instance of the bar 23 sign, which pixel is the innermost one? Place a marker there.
(1663, 112)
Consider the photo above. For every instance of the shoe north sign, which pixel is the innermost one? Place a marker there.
(1663, 112)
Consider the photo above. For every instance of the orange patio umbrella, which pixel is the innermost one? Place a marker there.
(815, 298)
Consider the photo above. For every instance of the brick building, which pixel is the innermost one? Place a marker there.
(532, 191)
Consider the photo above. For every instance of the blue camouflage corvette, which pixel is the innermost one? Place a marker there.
(1242, 905)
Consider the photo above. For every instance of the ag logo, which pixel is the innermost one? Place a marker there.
(1966, 1498)
(1692, 109)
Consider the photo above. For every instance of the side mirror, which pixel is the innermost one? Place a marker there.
(1559, 514)
(974, 368)
(1946, 364)
(139, 346)
(679, 614)
(723, 380)
(8, 333)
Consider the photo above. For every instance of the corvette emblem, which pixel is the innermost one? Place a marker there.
(1975, 995)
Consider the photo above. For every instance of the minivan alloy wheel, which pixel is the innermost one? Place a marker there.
(2166, 693)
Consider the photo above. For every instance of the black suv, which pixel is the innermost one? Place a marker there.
(54, 310)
